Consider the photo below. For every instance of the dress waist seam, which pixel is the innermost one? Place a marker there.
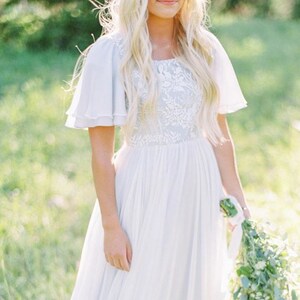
(198, 138)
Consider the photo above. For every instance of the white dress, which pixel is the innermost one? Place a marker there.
(167, 183)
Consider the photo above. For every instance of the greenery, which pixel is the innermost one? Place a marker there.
(60, 24)
(260, 8)
(266, 265)
(46, 189)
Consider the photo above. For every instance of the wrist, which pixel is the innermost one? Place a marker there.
(110, 222)
(244, 207)
(240, 198)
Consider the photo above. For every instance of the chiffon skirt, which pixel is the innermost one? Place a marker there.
(168, 204)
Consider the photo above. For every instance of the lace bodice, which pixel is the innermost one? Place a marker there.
(100, 98)
(178, 104)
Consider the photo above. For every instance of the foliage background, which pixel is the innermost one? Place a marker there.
(46, 190)
(40, 24)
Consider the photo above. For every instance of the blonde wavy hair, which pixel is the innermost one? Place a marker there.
(193, 49)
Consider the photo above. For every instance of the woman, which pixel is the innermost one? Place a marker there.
(156, 231)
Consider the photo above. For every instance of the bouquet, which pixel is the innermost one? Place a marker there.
(263, 264)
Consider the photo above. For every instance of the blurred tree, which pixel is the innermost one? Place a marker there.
(49, 23)
(296, 9)
(47, 2)
(231, 4)
(62, 24)
(258, 7)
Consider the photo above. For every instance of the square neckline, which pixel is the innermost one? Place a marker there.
(164, 60)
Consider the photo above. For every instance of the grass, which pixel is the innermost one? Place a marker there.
(263, 53)
(46, 189)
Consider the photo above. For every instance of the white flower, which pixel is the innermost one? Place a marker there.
(260, 265)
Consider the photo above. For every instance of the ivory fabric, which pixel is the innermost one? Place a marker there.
(167, 183)
(236, 234)
(99, 98)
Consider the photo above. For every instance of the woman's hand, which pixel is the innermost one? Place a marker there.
(247, 212)
(247, 215)
(117, 248)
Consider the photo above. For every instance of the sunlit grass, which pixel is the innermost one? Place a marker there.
(46, 189)
(264, 55)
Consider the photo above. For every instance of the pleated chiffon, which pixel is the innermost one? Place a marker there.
(168, 204)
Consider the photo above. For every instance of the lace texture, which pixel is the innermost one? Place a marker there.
(178, 104)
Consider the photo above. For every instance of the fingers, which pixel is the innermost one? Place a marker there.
(109, 259)
(128, 252)
(117, 249)
(118, 261)
(124, 264)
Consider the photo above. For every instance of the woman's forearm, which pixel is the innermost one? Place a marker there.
(226, 159)
(225, 155)
(102, 143)
(104, 181)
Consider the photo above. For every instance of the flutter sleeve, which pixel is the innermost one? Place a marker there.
(99, 97)
(231, 96)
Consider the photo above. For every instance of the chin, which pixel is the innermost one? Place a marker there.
(164, 8)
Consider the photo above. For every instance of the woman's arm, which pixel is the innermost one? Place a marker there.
(102, 143)
(225, 155)
(116, 244)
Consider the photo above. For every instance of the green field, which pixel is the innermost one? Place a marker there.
(46, 189)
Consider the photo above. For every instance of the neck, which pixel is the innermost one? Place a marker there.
(160, 29)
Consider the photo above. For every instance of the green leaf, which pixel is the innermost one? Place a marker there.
(244, 297)
(228, 207)
(244, 270)
(245, 282)
(277, 293)
(271, 269)
(294, 295)
(236, 294)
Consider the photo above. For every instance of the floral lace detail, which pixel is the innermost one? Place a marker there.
(178, 104)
